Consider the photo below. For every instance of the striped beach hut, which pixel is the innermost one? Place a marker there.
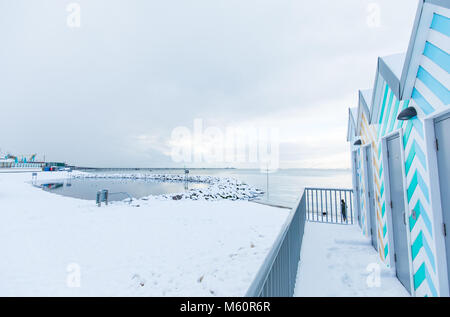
(400, 145)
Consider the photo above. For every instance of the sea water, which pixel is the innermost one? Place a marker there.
(283, 186)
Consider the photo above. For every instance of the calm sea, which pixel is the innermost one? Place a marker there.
(282, 187)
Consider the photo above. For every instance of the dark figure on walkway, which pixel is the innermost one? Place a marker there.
(343, 210)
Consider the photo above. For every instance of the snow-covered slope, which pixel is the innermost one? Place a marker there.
(152, 247)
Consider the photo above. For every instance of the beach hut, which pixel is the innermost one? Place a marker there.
(401, 156)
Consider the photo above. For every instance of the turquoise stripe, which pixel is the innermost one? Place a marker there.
(418, 126)
(422, 102)
(412, 186)
(423, 186)
(394, 116)
(386, 251)
(429, 253)
(384, 230)
(421, 212)
(383, 209)
(382, 190)
(388, 112)
(417, 245)
(381, 170)
(434, 85)
(431, 285)
(419, 276)
(417, 180)
(405, 105)
(407, 132)
(386, 89)
(438, 56)
(410, 158)
(422, 275)
(415, 151)
(420, 155)
(420, 243)
(441, 24)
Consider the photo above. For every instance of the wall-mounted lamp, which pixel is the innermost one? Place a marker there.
(357, 142)
(407, 114)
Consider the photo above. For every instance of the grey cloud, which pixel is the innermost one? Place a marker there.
(145, 67)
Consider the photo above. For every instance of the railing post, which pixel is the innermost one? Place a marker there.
(321, 205)
(335, 206)
(98, 200)
(351, 205)
(317, 206)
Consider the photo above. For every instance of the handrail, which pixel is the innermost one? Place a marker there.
(123, 193)
(337, 189)
(330, 205)
(277, 275)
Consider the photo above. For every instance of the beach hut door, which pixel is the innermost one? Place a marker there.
(369, 173)
(397, 204)
(442, 128)
(356, 176)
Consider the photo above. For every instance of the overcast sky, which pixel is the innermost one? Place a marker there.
(110, 92)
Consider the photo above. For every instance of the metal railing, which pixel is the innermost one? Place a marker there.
(278, 273)
(103, 196)
(125, 194)
(329, 205)
(20, 165)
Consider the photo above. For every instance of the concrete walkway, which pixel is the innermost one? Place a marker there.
(336, 260)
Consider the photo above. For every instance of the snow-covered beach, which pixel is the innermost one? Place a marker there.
(53, 245)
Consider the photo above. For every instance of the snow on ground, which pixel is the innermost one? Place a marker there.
(336, 260)
(149, 248)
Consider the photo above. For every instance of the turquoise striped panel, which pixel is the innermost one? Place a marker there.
(420, 243)
(394, 116)
(422, 102)
(438, 56)
(386, 90)
(418, 126)
(407, 132)
(422, 275)
(405, 105)
(388, 112)
(417, 180)
(441, 24)
(434, 85)
(417, 245)
(421, 212)
(415, 151)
